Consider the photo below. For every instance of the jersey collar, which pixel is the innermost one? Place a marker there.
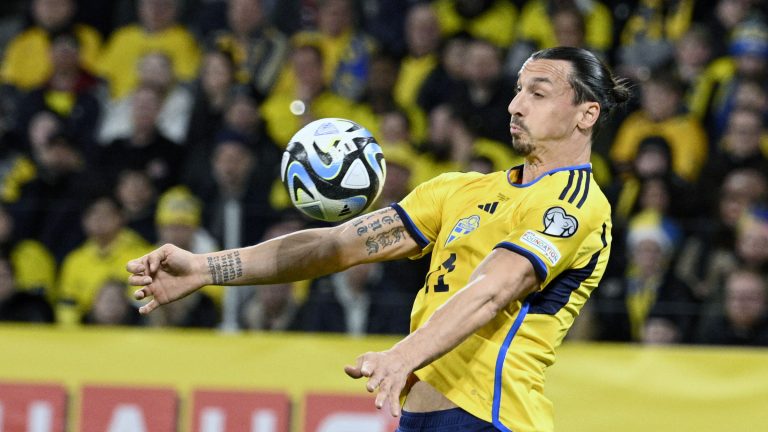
(515, 173)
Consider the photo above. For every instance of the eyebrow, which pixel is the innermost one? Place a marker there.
(537, 80)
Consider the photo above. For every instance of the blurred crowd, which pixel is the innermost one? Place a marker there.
(131, 123)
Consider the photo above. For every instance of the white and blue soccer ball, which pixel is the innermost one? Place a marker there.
(333, 169)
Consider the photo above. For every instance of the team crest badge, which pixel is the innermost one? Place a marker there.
(558, 223)
(463, 227)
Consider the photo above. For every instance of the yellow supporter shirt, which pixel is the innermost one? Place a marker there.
(685, 135)
(561, 223)
(34, 267)
(27, 61)
(282, 124)
(496, 24)
(87, 268)
(413, 72)
(536, 25)
(119, 61)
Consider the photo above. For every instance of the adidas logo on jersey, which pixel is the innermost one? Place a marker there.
(345, 211)
(488, 208)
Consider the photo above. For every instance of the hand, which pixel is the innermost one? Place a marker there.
(387, 372)
(165, 274)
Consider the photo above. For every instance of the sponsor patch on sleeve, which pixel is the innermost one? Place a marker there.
(541, 244)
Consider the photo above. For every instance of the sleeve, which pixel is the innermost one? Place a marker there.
(555, 235)
(421, 210)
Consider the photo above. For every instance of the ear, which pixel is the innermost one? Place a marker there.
(588, 116)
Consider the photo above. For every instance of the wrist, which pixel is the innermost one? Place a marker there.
(204, 270)
(411, 356)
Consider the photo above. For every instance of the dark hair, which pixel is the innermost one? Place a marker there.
(590, 79)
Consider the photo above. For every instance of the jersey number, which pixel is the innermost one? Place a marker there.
(448, 265)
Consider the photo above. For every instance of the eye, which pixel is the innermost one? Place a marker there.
(537, 94)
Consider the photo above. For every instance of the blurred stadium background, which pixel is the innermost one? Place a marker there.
(130, 123)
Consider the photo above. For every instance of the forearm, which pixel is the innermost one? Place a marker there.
(311, 253)
(452, 323)
(302, 255)
(467, 311)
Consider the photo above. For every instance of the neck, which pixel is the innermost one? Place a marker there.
(545, 160)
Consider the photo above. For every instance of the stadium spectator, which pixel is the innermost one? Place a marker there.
(537, 23)
(449, 72)
(155, 71)
(481, 100)
(104, 252)
(20, 305)
(693, 52)
(157, 30)
(34, 266)
(273, 307)
(661, 114)
(649, 35)
(713, 239)
(384, 20)
(48, 203)
(493, 20)
(712, 98)
(744, 316)
(27, 63)
(379, 99)
(286, 112)
(345, 49)
(146, 148)
(653, 161)
(212, 92)
(722, 20)
(112, 307)
(422, 35)
(70, 91)
(624, 304)
(136, 196)
(178, 220)
(743, 146)
(236, 209)
(258, 49)
(344, 303)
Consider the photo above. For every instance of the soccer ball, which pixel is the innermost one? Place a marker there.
(333, 169)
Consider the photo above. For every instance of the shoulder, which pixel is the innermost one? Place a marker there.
(87, 34)
(455, 179)
(131, 31)
(574, 192)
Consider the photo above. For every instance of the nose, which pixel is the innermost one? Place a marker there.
(514, 107)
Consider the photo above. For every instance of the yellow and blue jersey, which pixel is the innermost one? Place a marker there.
(561, 223)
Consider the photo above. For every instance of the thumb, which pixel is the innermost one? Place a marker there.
(353, 371)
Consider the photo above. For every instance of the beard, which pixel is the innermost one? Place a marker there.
(521, 141)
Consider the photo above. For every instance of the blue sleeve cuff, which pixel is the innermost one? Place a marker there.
(538, 264)
(417, 235)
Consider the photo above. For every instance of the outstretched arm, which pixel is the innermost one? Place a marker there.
(169, 273)
(503, 276)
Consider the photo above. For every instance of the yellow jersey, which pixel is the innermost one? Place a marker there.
(561, 223)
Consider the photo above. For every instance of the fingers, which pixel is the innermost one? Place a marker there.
(136, 266)
(388, 398)
(139, 280)
(141, 294)
(149, 307)
(353, 371)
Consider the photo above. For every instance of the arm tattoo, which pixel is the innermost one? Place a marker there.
(225, 268)
(374, 223)
(385, 239)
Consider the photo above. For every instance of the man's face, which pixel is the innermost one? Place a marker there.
(543, 111)
(52, 14)
(745, 299)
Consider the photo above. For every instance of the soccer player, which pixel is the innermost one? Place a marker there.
(515, 255)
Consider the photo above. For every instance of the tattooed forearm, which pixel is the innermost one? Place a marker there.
(225, 268)
(374, 223)
(384, 240)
